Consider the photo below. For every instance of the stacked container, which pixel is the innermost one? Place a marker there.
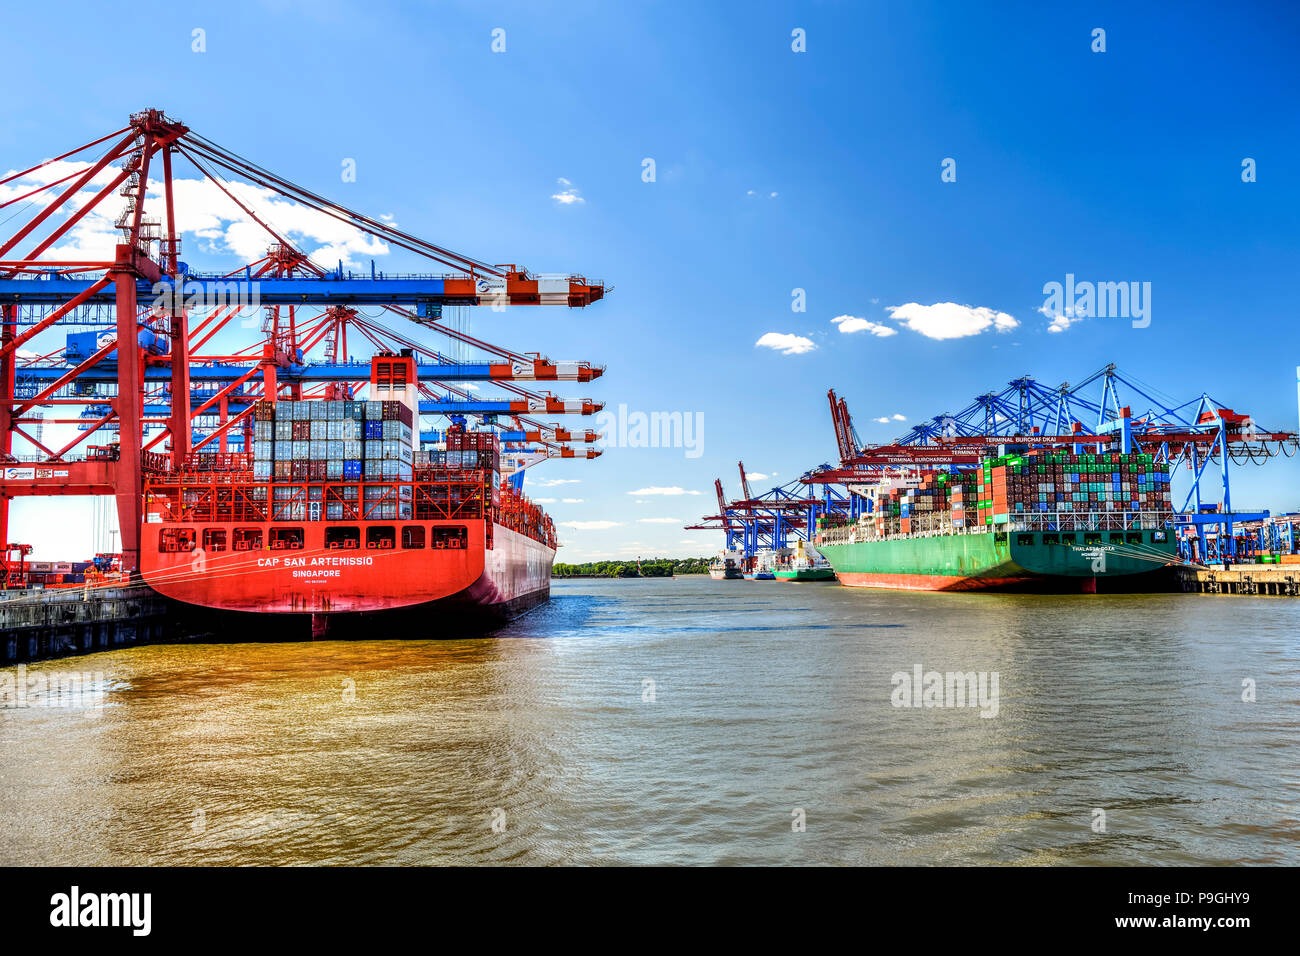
(336, 441)
(470, 451)
(1048, 482)
(1004, 493)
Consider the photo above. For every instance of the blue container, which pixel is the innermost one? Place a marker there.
(374, 431)
(351, 469)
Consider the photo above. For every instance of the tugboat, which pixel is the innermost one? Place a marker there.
(804, 564)
(725, 567)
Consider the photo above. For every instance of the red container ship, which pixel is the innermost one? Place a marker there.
(340, 538)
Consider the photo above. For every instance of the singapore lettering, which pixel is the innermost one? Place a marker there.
(330, 562)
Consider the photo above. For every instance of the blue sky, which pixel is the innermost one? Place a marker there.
(775, 170)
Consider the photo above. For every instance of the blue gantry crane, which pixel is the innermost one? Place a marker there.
(1108, 410)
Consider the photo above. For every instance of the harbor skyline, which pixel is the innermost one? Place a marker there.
(921, 264)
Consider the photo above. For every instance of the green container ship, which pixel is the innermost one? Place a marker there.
(1036, 517)
(805, 574)
(997, 559)
(803, 564)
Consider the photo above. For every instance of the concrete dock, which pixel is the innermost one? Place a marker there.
(1279, 580)
(40, 624)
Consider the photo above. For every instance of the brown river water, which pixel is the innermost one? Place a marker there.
(687, 721)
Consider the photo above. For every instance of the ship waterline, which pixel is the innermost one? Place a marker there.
(453, 563)
(997, 559)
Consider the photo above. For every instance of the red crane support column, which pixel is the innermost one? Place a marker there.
(127, 487)
(270, 385)
(225, 417)
(8, 366)
(182, 436)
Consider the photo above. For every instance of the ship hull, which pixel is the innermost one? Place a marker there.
(467, 581)
(730, 574)
(806, 574)
(992, 561)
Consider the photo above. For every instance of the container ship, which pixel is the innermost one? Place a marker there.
(1029, 518)
(335, 515)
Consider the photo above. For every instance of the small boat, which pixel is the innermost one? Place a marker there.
(803, 564)
(761, 567)
(726, 566)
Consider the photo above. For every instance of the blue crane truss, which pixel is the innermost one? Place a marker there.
(774, 519)
(1202, 435)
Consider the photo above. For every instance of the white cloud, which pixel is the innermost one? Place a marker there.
(544, 501)
(569, 195)
(886, 419)
(659, 520)
(948, 320)
(786, 343)
(756, 475)
(660, 490)
(883, 421)
(206, 218)
(899, 418)
(590, 525)
(552, 482)
(1059, 322)
(852, 323)
(571, 501)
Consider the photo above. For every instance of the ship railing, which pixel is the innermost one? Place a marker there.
(222, 497)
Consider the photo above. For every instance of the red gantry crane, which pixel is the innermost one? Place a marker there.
(151, 369)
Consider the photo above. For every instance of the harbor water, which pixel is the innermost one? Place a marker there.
(678, 721)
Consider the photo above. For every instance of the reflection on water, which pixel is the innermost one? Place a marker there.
(684, 722)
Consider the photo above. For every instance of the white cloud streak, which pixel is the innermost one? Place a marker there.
(948, 320)
(786, 343)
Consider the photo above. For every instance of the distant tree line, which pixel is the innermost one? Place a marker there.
(648, 568)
